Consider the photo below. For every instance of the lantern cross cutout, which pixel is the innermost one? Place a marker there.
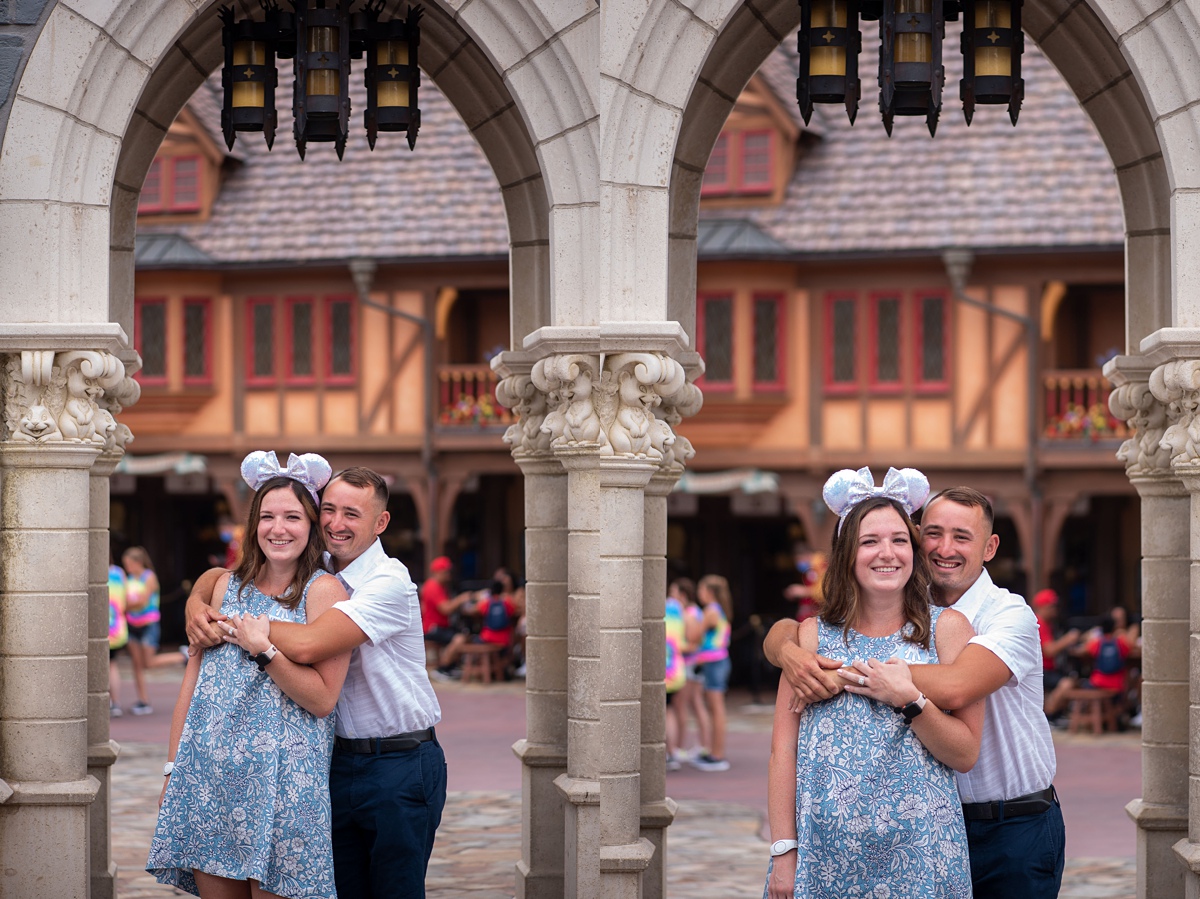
(911, 75)
(321, 37)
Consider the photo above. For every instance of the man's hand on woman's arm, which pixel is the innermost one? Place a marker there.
(201, 612)
(813, 677)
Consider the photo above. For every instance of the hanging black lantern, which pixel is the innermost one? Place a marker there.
(249, 77)
(910, 60)
(391, 74)
(829, 45)
(992, 43)
(321, 100)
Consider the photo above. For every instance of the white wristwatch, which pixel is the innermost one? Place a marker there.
(782, 847)
(168, 768)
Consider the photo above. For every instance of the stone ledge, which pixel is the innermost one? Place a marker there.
(18, 336)
(1149, 816)
(103, 755)
(659, 814)
(609, 337)
(72, 792)
(577, 790)
(1188, 853)
(540, 755)
(626, 858)
(1166, 344)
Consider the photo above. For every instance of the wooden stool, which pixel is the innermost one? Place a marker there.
(480, 661)
(1091, 709)
(432, 652)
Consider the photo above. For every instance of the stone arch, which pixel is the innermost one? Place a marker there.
(81, 136)
(1078, 41)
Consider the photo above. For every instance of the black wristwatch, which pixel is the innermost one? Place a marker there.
(263, 659)
(914, 708)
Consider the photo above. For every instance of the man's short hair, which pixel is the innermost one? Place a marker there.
(966, 496)
(358, 476)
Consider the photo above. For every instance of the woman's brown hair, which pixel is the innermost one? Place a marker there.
(139, 555)
(687, 587)
(840, 587)
(719, 588)
(252, 558)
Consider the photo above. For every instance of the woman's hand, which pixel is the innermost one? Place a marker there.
(888, 682)
(252, 632)
(782, 884)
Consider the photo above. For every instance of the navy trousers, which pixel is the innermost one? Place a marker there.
(386, 808)
(1020, 856)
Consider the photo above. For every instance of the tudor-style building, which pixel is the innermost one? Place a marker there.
(830, 330)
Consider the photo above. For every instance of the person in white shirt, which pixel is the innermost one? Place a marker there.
(1014, 822)
(387, 781)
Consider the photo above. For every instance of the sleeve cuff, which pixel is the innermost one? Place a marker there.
(996, 648)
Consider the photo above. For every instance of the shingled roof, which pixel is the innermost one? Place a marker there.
(1048, 183)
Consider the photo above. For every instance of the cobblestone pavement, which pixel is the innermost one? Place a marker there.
(715, 850)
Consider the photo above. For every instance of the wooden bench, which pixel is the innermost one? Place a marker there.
(482, 661)
(1091, 709)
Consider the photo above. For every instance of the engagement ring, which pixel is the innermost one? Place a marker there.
(862, 681)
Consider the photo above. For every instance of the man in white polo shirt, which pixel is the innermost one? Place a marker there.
(387, 781)
(1014, 822)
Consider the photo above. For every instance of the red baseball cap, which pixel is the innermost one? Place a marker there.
(441, 563)
(1045, 598)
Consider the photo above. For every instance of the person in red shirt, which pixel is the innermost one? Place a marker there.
(1056, 683)
(498, 611)
(437, 606)
(1109, 652)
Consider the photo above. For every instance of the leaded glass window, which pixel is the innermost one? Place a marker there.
(195, 340)
(152, 339)
(716, 173)
(887, 340)
(302, 339)
(262, 316)
(766, 341)
(341, 362)
(842, 369)
(933, 339)
(718, 339)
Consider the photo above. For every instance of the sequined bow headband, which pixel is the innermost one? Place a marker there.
(845, 489)
(310, 470)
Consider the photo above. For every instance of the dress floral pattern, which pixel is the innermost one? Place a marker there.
(249, 796)
(876, 815)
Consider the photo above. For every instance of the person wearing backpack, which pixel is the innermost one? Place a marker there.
(498, 611)
(1109, 652)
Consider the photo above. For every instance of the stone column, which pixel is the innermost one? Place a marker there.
(1161, 811)
(658, 809)
(102, 750)
(54, 430)
(1156, 404)
(543, 752)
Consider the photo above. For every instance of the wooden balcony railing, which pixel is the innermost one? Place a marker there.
(1075, 403)
(467, 398)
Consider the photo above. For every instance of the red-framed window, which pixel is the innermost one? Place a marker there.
(714, 339)
(932, 357)
(884, 330)
(718, 177)
(150, 339)
(841, 343)
(340, 341)
(173, 184)
(261, 341)
(756, 162)
(769, 315)
(301, 344)
(197, 341)
(906, 339)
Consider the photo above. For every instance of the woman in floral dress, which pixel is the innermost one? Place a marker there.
(245, 806)
(862, 800)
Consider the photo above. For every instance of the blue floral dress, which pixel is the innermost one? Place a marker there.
(876, 815)
(249, 796)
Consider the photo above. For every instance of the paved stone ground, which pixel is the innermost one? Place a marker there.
(717, 848)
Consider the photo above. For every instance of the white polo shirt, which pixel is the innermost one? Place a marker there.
(387, 689)
(1016, 756)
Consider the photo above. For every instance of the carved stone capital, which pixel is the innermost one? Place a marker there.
(1176, 385)
(1147, 417)
(59, 397)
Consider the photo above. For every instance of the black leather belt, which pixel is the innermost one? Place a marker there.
(394, 743)
(1033, 804)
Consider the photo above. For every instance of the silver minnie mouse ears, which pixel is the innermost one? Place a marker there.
(310, 470)
(845, 489)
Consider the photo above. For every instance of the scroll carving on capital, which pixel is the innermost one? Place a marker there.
(530, 405)
(1143, 453)
(1176, 385)
(58, 397)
